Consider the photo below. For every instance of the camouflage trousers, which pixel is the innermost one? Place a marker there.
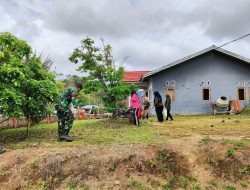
(65, 122)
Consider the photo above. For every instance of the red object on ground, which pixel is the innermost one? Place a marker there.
(236, 105)
(81, 115)
(139, 113)
(133, 76)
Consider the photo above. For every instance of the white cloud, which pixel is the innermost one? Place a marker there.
(152, 33)
(6, 21)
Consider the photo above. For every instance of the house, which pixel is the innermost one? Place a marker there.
(135, 77)
(195, 81)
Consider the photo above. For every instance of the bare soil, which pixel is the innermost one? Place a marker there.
(186, 163)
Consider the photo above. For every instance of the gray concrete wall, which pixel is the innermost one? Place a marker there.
(221, 73)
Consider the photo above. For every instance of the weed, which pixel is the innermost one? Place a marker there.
(155, 184)
(214, 183)
(72, 185)
(152, 164)
(172, 182)
(245, 170)
(244, 184)
(205, 140)
(112, 165)
(229, 187)
(211, 160)
(129, 158)
(134, 184)
(197, 186)
(85, 187)
(34, 164)
(239, 143)
(210, 187)
(230, 152)
(42, 185)
(3, 172)
(164, 165)
(183, 182)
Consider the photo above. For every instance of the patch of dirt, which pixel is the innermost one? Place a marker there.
(181, 163)
(226, 161)
(57, 167)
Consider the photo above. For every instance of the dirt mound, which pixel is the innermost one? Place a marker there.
(58, 168)
(181, 164)
(227, 161)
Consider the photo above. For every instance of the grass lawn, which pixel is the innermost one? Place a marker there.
(110, 132)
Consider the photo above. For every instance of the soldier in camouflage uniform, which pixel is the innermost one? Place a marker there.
(65, 116)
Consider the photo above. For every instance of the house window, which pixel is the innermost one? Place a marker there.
(243, 83)
(241, 94)
(171, 93)
(173, 83)
(206, 94)
(167, 83)
(248, 82)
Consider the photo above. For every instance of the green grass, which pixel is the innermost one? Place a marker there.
(239, 143)
(229, 187)
(110, 132)
(93, 132)
(230, 152)
(137, 185)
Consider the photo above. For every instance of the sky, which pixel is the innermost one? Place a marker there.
(148, 33)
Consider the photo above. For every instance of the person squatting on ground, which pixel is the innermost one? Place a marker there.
(135, 106)
(146, 105)
(158, 106)
(168, 107)
(65, 115)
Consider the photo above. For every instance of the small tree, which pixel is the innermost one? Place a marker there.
(103, 75)
(26, 88)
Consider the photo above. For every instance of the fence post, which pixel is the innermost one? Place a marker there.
(48, 119)
(14, 122)
(3, 124)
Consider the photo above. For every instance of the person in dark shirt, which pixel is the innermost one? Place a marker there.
(158, 106)
(168, 107)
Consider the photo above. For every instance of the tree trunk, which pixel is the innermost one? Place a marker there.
(115, 112)
(27, 129)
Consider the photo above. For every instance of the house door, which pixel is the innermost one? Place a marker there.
(171, 93)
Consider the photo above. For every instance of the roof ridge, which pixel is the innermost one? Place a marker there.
(186, 58)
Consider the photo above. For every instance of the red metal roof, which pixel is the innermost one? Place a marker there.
(133, 76)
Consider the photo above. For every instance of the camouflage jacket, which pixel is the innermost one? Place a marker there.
(66, 98)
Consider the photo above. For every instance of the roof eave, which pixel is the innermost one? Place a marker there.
(242, 58)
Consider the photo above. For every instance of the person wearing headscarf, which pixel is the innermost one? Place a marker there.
(168, 107)
(158, 106)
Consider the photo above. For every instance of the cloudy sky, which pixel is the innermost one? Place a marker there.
(152, 33)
